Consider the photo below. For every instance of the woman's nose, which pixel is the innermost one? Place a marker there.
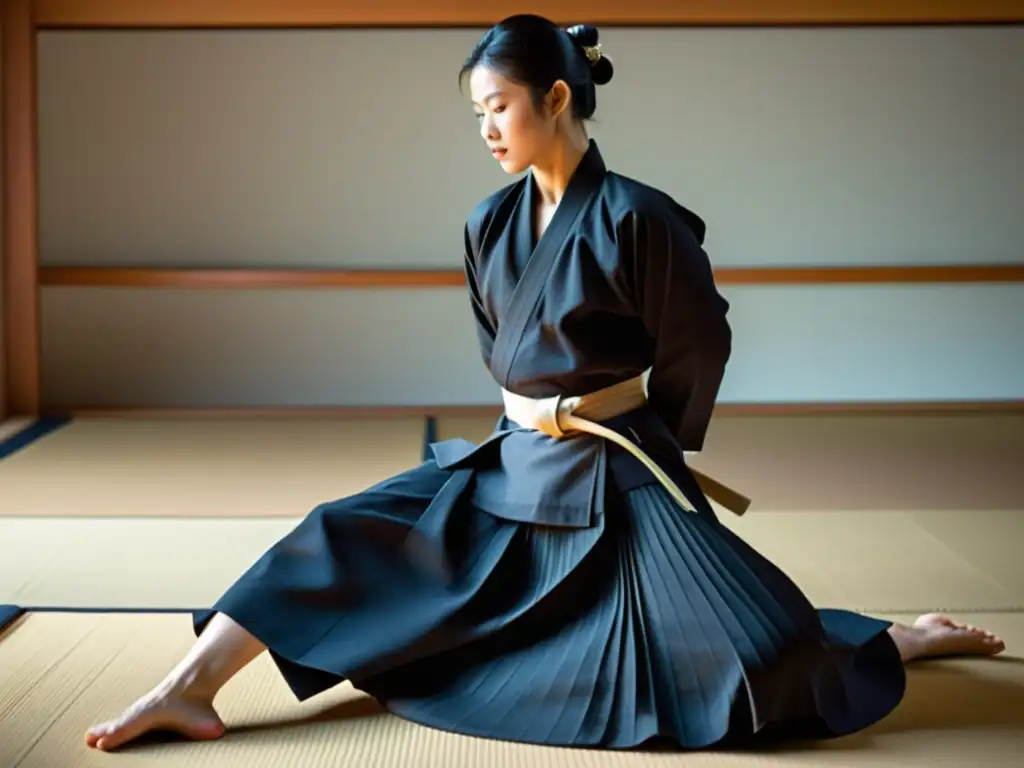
(488, 129)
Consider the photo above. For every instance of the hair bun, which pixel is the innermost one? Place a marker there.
(588, 39)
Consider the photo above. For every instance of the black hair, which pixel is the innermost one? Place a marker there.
(535, 52)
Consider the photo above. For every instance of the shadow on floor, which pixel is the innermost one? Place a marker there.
(943, 697)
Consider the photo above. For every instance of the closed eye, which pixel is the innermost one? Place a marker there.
(496, 110)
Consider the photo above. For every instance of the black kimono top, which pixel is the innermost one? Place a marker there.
(618, 284)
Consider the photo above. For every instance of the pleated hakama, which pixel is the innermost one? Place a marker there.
(652, 624)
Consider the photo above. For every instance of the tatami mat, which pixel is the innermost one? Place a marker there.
(475, 428)
(204, 467)
(12, 426)
(820, 462)
(992, 539)
(165, 514)
(889, 560)
(149, 562)
(60, 673)
(886, 561)
(109, 467)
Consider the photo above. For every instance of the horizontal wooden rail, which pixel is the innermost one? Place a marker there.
(454, 13)
(139, 277)
(136, 277)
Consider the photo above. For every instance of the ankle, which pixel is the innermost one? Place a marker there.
(910, 641)
(189, 684)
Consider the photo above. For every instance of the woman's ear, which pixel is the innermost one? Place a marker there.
(559, 98)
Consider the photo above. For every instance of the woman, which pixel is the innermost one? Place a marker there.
(548, 587)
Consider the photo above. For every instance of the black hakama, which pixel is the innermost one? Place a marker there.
(651, 623)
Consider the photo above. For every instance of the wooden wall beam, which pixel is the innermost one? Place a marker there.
(124, 277)
(457, 13)
(132, 277)
(20, 248)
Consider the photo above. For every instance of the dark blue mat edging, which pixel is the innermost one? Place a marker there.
(23, 438)
(9, 614)
(429, 435)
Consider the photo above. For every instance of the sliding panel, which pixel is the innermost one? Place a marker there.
(151, 347)
(329, 148)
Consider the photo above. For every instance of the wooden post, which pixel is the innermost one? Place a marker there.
(20, 240)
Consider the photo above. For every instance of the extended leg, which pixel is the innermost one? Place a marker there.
(183, 701)
(935, 635)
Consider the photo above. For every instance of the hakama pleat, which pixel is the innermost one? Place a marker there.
(653, 623)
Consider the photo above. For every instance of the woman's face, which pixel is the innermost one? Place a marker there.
(515, 132)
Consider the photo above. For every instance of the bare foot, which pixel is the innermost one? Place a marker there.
(941, 636)
(165, 711)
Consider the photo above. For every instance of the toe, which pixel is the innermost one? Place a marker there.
(117, 737)
(122, 731)
(97, 732)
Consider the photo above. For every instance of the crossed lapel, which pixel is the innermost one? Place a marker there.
(582, 189)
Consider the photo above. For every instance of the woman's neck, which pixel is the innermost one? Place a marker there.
(554, 173)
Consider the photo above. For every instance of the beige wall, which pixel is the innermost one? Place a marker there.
(355, 149)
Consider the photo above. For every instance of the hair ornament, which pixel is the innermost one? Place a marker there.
(593, 53)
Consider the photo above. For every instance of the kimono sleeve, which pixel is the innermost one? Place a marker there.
(685, 316)
(485, 329)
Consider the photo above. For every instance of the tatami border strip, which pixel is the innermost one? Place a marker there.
(24, 437)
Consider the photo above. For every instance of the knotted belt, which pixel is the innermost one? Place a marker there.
(561, 417)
